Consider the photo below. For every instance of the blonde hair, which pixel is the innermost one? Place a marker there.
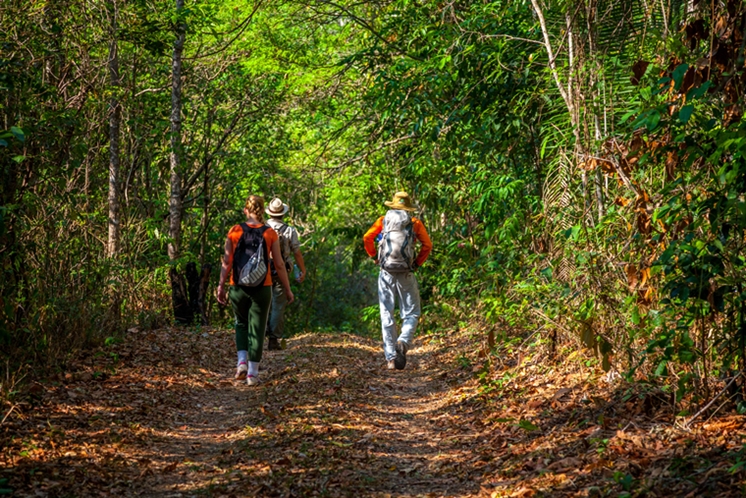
(255, 206)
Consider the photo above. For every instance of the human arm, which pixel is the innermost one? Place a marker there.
(369, 239)
(299, 260)
(282, 273)
(427, 246)
(225, 270)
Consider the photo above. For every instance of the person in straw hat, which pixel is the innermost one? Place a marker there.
(289, 244)
(396, 257)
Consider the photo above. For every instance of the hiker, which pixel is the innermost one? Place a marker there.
(246, 259)
(289, 244)
(395, 255)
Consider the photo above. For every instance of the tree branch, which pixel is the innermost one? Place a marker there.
(550, 54)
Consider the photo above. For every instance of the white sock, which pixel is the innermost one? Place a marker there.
(243, 357)
(254, 368)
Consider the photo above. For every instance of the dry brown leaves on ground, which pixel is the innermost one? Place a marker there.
(159, 415)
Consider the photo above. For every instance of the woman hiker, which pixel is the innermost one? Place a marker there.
(246, 259)
(398, 263)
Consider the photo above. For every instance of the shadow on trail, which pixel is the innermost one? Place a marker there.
(329, 420)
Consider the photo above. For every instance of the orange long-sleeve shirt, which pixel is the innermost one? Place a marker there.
(369, 239)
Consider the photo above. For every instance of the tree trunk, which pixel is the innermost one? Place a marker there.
(180, 298)
(115, 117)
(182, 311)
(198, 284)
(204, 286)
(176, 159)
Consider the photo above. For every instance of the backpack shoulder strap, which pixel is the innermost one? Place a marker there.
(244, 229)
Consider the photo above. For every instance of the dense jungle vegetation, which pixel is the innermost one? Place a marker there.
(579, 165)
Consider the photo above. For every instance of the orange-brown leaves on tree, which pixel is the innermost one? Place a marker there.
(643, 218)
(621, 201)
(692, 78)
(631, 276)
(638, 70)
(672, 159)
(723, 28)
(607, 167)
(645, 296)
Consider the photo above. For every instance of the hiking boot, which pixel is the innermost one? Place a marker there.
(400, 361)
(252, 380)
(274, 344)
(390, 365)
(241, 371)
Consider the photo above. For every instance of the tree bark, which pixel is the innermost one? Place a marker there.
(198, 284)
(182, 311)
(176, 156)
(180, 298)
(115, 117)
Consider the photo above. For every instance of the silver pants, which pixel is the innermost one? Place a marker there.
(403, 285)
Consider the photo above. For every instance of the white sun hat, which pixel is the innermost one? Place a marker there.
(276, 207)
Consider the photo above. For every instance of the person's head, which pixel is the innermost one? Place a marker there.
(277, 208)
(254, 205)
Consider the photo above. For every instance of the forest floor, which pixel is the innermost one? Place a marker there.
(160, 415)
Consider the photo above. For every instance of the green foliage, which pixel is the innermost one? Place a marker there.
(599, 194)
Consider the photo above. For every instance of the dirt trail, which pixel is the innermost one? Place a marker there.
(168, 420)
(159, 415)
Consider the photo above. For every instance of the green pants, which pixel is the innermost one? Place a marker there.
(251, 308)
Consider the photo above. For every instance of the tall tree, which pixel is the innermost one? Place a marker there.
(115, 118)
(176, 156)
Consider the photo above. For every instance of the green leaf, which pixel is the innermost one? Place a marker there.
(696, 93)
(653, 120)
(18, 133)
(685, 113)
(678, 75)
(627, 116)
(661, 369)
(527, 426)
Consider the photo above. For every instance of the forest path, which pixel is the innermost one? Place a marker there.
(160, 415)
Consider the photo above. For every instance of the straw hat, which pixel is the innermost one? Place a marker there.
(401, 200)
(276, 207)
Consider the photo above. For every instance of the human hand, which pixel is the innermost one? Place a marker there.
(302, 277)
(222, 295)
(289, 295)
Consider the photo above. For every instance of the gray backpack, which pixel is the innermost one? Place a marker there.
(283, 235)
(396, 249)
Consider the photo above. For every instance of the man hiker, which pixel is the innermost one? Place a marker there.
(396, 256)
(289, 244)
